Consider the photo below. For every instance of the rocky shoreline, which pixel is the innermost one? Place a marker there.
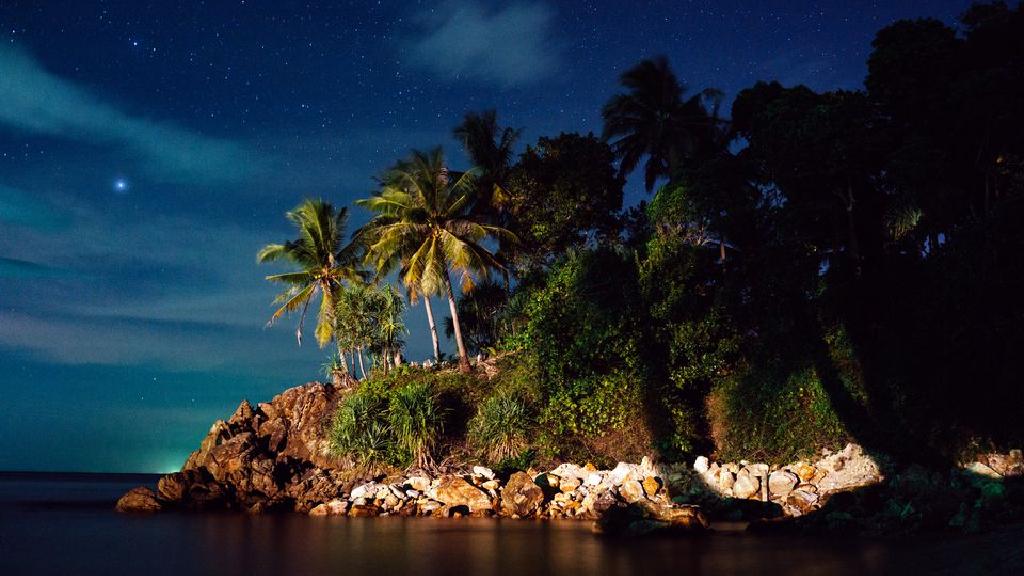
(275, 457)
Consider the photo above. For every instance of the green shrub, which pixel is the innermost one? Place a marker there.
(361, 429)
(773, 415)
(499, 429)
(416, 422)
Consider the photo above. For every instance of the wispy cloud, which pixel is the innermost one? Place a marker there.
(36, 101)
(511, 45)
(21, 208)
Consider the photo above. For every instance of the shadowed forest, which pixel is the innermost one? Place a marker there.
(808, 268)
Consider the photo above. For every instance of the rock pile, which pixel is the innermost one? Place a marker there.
(629, 498)
(796, 488)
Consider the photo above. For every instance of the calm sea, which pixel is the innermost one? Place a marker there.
(65, 524)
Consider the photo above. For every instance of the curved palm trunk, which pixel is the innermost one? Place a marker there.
(463, 357)
(433, 329)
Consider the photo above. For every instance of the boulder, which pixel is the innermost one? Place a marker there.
(483, 471)
(781, 483)
(651, 485)
(335, 507)
(801, 501)
(521, 497)
(454, 491)
(647, 518)
(418, 483)
(726, 480)
(700, 465)
(631, 491)
(746, 486)
(140, 499)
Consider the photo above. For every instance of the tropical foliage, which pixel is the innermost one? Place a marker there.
(812, 267)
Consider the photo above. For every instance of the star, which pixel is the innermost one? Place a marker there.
(121, 186)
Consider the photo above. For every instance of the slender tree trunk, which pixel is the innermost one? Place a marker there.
(463, 357)
(721, 250)
(433, 329)
(362, 369)
(344, 361)
(384, 359)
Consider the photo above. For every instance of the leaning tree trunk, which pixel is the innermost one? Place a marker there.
(362, 369)
(433, 329)
(344, 361)
(463, 357)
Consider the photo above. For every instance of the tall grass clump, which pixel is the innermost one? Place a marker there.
(416, 422)
(361, 429)
(499, 429)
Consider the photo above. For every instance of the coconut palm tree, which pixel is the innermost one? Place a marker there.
(324, 265)
(423, 222)
(490, 148)
(652, 119)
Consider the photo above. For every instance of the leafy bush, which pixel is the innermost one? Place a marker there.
(361, 428)
(416, 422)
(774, 415)
(499, 429)
(580, 335)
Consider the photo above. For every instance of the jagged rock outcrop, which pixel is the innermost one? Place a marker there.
(139, 499)
(271, 456)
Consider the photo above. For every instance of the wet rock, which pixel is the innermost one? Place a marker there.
(140, 499)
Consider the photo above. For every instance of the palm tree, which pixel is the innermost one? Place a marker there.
(490, 149)
(324, 265)
(423, 221)
(651, 119)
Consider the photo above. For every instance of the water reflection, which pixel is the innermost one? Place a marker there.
(92, 539)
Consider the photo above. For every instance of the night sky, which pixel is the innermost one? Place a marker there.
(147, 150)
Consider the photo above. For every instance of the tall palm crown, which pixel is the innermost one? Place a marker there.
(324, 265)
(490, 149)
(652, 119)
(424, 225)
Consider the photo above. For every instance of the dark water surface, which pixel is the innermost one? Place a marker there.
(65, 524)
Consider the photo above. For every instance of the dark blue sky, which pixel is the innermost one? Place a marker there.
(147, 150)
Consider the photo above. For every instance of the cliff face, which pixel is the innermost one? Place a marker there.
(271, 456)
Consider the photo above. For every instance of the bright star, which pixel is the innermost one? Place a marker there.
(120, 185)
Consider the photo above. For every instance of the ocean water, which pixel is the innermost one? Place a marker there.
(66, 525)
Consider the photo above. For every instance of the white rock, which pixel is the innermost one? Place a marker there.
(569, 470)
(483, 471)
(594, 478)
(631, 491)
(782, 482)
(368, 490)
(620, 473)
(700, 465)
(746, 486)
(418, 483)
